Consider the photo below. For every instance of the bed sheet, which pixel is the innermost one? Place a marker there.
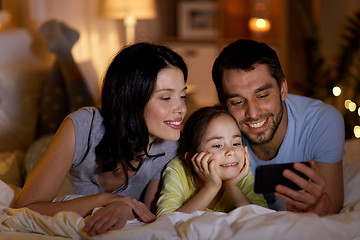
(248, 222)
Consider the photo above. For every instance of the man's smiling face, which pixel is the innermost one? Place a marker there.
(255, 100)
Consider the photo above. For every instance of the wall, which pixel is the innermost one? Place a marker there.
(99, 37)
(332, 19)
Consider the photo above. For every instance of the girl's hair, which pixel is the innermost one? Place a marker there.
(193, 132)
(128, 85)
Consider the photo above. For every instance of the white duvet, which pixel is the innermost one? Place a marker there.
(248, 222)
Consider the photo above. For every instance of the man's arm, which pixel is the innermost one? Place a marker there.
(334, 183)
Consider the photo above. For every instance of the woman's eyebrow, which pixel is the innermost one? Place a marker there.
(170, 90)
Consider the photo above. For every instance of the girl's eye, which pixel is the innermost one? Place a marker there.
(237, 144)
(217, 146)
(184, 97)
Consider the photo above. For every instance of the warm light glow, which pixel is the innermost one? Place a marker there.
(357, 131)
(352, 107)
(359, 111)
(259, 25)
(5, 18)
(347, 103)
(120, 9)
(336, 91)
(260, 6)
(130, 11)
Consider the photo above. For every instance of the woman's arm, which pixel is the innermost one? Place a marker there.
(151, 195)
(47, 178)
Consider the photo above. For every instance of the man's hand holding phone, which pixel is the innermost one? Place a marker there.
(299, 184)
(311, 198)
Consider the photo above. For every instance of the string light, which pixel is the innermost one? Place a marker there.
(352, 107)
(347, 103)
(336, 91)
(357, 131)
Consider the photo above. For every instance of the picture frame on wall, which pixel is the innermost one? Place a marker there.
(197, 20)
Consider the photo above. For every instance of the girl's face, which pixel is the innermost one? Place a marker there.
(166, 108)
(222, 138)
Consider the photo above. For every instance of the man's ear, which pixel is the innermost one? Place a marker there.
(284, 89)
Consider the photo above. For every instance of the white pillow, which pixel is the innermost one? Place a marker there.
(351, 171)
(12, 168)
(20, 91)
(33, 156)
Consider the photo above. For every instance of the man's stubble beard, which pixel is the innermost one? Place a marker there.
(266, 136)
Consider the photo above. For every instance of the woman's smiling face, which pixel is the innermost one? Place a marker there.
(166, 108)
(222, 138)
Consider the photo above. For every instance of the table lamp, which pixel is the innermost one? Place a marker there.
(129, 11)
(259, 21)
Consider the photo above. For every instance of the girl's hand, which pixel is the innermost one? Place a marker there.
(115, 215)
(244, 171)
(205, 168)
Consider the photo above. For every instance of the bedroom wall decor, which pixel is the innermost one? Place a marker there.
(130, 12)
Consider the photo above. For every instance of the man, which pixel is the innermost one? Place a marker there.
(279, 127)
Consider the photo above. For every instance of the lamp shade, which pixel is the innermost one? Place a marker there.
(121, 9)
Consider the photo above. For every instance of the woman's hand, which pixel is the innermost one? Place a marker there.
(205, 168)
(311, 198)
(110, 217)
(115, 215)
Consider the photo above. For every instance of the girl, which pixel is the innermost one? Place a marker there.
(212, 171)
(115, 154)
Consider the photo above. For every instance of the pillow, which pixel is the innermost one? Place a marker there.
(8, 194)
(35, 153)
(351, 171)
(33, 156)
(20, 90)
(11, 168)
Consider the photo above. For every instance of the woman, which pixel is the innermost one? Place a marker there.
(115, 154)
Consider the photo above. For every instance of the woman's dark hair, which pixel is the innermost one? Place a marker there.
(244, 54)
(193, 132)
(128, 85)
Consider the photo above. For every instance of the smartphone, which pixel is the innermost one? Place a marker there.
(268, 176)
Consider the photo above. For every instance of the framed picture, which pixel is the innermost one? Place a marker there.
(197, 20)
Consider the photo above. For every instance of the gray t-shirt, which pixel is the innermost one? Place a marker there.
(89, 130)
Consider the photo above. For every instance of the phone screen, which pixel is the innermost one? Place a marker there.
(268, 176)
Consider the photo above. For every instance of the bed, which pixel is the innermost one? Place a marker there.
(22, 76)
